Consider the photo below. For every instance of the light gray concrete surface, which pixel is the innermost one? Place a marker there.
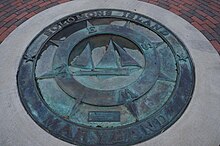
(199, 125)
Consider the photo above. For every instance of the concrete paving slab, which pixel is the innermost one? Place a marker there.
(198, 126)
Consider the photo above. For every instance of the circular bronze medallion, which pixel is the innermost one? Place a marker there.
(105, 77)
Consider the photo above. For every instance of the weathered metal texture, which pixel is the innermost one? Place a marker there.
(105, 77)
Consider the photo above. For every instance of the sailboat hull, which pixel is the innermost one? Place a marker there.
(105, 72)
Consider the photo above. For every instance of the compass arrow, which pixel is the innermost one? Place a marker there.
(76, 106)
(130, 105)
(133, 109)
(62, 70)
(56, 43)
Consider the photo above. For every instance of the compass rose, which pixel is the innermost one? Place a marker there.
(105, 73)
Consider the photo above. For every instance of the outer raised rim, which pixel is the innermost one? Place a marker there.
(165, 127)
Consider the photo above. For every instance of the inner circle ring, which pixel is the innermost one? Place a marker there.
(74, 88)
(41, 113)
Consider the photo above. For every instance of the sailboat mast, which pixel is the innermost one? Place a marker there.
(84, 60)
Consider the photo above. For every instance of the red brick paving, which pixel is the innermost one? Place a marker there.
(203, 14)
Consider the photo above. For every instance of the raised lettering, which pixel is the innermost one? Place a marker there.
(124, 14)
(118, 137)
(66, 131)
(138, 18)
(80, 136)
(162, 120)
(52, 122)
(92, 138)
(144, 130)
(147, 22)
(81, 17)
(108, 13)
(71, 19)
(136, 134)
(105, 138)
(48, 32)
(156, 27)
(63, 23)
(55, 27)
(154, 125)
(131, 15)
(91, 14)
(100, 13)
(91, 29)
(164, 32)
(146, 46)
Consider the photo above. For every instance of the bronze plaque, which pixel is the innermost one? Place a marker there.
(105, 77)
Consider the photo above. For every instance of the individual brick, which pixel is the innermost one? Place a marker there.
(216, 45)
(10, 17)
(21, 15)
(198, 26)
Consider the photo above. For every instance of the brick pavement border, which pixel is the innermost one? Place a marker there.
(202, 14)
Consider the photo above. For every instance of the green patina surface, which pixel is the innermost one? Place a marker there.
(105, 77)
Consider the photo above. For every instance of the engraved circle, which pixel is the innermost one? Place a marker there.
(78, 113)
(105, 97)
(101, 54)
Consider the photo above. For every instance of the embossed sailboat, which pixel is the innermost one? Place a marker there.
(112, 63)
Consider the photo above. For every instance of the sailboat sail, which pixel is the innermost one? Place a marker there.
(108, 65)
(84, 60)
(109, 60)
(125, 58)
